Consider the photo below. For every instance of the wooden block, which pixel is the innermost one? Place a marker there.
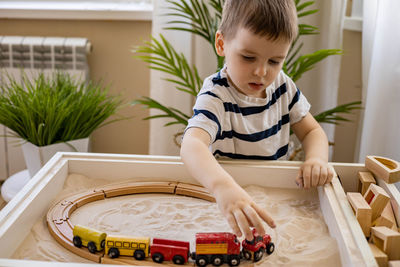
(377, 198)
(380, 257)
(383, 168)
(388, 214)
(364, 180)
(394, 263)
(362, 211)
(383, 221)
(387, 240)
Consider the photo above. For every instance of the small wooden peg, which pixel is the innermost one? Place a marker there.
(362, 211)
(364, 180)
(383, 168)
(377, 198)
(387, 240)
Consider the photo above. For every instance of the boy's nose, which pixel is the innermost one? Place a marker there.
(261, 70)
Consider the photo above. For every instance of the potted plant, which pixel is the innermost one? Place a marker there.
(53, 114)
(202, 19)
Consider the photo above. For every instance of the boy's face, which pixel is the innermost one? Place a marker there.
(253, 61)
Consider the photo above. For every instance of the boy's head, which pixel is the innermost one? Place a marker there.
(274, 19)
(254, 37)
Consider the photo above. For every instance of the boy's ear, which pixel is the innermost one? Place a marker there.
(219, 44)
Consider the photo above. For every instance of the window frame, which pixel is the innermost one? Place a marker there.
(77, 9)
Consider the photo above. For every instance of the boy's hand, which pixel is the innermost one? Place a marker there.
(314, 172)
(241, 211)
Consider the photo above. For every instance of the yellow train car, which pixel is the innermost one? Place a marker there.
(138, 247)
(88, 237)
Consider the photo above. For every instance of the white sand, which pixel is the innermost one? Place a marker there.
(301, 237)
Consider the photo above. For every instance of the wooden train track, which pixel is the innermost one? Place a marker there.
(60, 226)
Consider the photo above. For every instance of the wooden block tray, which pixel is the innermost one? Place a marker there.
(33, 202)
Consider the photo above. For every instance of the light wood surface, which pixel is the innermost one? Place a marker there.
(362, 211)
(365, 178)
(32, 203)
(377, 198)
(380, 257)
(383, 168)
(387, 240)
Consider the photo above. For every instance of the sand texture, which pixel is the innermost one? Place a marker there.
(301, 237)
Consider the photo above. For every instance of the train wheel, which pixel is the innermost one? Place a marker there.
(217, 260)
(247, 254)
(258, 255)
(77, 241)
(270, 248)
(178, 259)
(157, 257)
(113, 253)
(139, 255)
(234, 260)
(201, 261)
(91, 247)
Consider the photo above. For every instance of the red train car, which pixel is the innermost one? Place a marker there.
(255, 249)
(217, 248)
(167, 250)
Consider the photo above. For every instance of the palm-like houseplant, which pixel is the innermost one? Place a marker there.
(54, 110)
(197, 18)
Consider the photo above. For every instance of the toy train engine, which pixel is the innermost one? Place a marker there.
(217, 248)
(138, 247)
(92, 239)
(164, 249)
(255, 249)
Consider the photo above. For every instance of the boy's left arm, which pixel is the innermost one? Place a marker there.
(315, 169)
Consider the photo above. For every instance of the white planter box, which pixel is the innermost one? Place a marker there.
(37, 156)
(33, 201)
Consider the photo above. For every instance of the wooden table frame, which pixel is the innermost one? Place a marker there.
(33, 201)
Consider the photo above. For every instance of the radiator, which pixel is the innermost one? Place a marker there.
(30, 56)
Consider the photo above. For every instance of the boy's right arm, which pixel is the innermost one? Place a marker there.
(235, 204)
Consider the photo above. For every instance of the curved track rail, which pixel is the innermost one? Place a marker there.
(60, 226)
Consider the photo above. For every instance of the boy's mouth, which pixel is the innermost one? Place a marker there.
(256, 86)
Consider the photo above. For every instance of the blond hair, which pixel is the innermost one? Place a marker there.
(274, 19)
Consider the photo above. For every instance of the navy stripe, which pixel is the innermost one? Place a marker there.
(255, 137)
(279, 153)
(210, 116)
(209, 93)
(295, 99)
(245, 111)
(220, 81)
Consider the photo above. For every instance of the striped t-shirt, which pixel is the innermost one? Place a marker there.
(243, 127)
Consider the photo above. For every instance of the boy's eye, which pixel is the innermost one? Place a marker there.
(247, 58)
(273, 62)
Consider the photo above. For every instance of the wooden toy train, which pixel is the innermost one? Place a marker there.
(214, 248)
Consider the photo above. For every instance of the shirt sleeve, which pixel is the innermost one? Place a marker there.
(207, 114)
(298, 104)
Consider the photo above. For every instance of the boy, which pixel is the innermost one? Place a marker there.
(247, 109)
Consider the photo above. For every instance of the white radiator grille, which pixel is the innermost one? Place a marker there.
(30, 56)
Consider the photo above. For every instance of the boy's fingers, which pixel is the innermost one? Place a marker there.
(233, 224)
(243, 224)
(264, 215)
(323, 176)
(306, 176)
(330, 174)
(254, 219)
(316, 170)
(299, 179)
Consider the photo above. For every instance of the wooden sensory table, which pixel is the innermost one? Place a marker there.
(34, 201)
